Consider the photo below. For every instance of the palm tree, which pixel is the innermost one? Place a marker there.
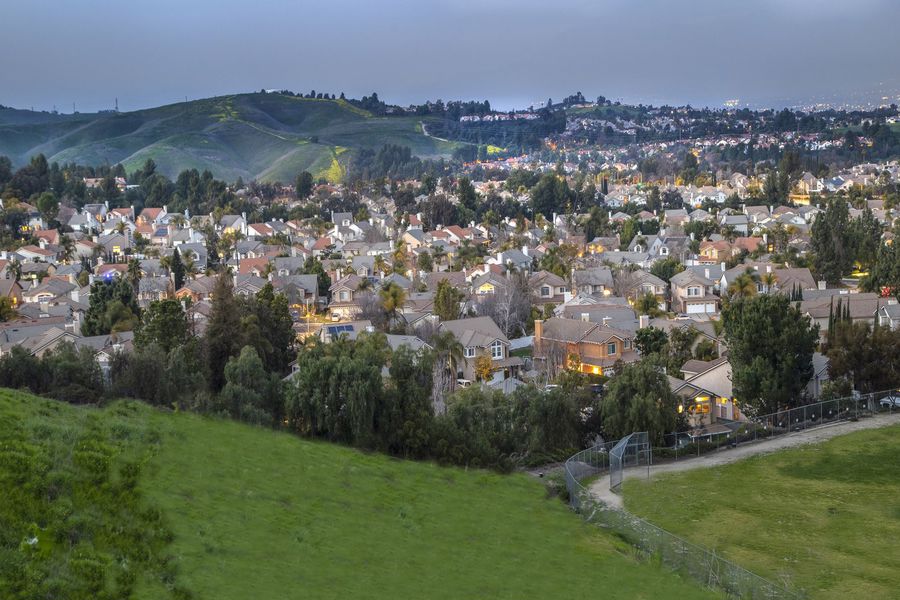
(448, 353)
(438, 254)
(68, 248)
(769, 280)
(392, 299)
(647, 304)
(380, 265)
(134, 275)
(744, 285)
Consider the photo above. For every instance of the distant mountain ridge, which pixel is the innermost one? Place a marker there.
(264, 136)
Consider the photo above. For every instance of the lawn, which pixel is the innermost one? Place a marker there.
(824, 518)
(239, 512)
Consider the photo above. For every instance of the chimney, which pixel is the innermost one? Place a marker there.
(768, 268)
(723, 266)
(586, 317)
(75, 295)
(525, 250)
(706, 272)
(643, 321)
(538, 330)
(821, 285)
(606, 321)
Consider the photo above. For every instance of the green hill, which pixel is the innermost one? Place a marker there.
(254, 136)
(100, 503)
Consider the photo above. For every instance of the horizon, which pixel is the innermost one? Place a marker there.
(512, 54)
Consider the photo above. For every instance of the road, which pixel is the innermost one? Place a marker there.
(600, 488)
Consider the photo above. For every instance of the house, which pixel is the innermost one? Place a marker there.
(480, 336)
(10, 288)
(593, 280)
(344, 302)
(639, 283)
(581, 346)
(547, 288)
(889, 315)
(692, 293)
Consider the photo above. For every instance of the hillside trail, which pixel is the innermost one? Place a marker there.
(599, 489)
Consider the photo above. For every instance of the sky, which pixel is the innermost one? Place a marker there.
(54, 53)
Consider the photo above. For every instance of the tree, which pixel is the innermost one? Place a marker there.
(312, 266)
(177, 270)
(7, 311)
(597, 224)
(403, 420)
(222, 339)
(447, 301)
(867, 357)
(550, 195)
(744, 285)
(163, 323)
(392, 299)
(304, 185)
(640, 399)
(270, 330)
(250, 393)
(510, 305)
(647, 304)
(770, 344)
(831, 241)
(667, 268)
(650, 340)
(113, 307)
(425, 263)
(484, 366)
(448, 353)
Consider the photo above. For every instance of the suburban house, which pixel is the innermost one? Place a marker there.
(581, 345)
(548, 288)
(480, 336)
(692, 293)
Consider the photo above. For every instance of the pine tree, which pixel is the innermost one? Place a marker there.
(177, 270)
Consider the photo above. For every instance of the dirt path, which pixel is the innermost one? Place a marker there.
(600, 488)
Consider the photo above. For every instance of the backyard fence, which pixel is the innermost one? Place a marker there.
(631, 451)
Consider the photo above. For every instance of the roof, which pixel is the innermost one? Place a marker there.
(474, 331)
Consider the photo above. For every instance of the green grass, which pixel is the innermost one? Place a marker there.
(825, 517)
(260, 514)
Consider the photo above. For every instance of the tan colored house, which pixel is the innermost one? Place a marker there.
(581, 345)
(692, 293)
(480, 336)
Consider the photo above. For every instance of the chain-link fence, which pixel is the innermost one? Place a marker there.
(728, 434)
(631, 451)
(678, 554)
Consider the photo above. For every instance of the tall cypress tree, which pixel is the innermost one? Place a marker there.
(223, 332)
(177, 270)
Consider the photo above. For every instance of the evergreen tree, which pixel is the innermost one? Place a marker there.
(177, 269)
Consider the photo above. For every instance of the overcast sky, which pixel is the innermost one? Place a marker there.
(511, 52)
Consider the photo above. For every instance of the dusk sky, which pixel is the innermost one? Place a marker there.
(511, 52)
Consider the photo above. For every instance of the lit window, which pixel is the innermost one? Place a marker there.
(470, 352)
(496, 350)
(611, 349)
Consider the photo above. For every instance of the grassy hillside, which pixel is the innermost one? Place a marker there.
(237, 512)
(824, 517)
(262, 136)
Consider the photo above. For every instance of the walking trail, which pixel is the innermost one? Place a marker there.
(600, 488)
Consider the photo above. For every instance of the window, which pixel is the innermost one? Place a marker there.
(693, 292)
(627, 344)
(611, 349)
(344, 296)
(663, 251)
(470, 351)
(497, 350)
(545, 291)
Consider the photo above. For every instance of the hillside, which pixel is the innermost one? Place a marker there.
(255, 136)
(222, 510)
(824, 518)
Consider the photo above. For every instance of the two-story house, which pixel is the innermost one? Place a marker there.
(480, 336)
(692, 293)
(581, 345)
(547, 288)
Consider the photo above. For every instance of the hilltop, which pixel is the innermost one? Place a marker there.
(162, 505)
(264, 136)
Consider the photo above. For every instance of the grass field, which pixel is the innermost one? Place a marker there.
(825, 518)
(250, 513)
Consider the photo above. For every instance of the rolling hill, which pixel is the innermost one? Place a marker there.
(270, 137)
(128, 501)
